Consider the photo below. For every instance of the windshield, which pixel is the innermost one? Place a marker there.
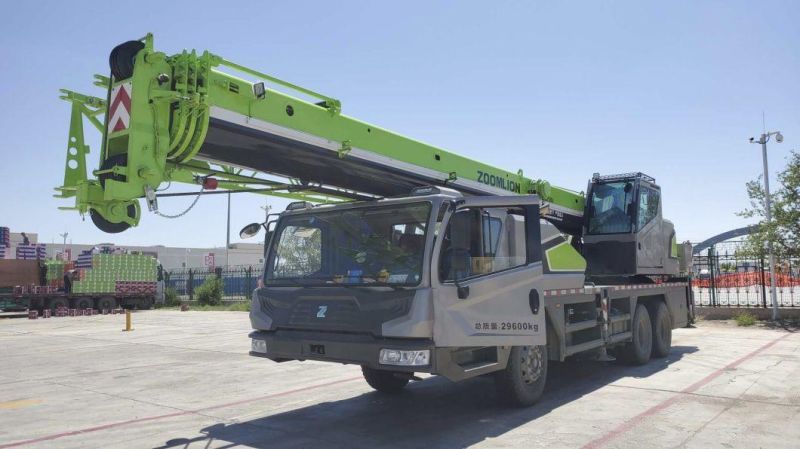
(368, 245)
(611, 208)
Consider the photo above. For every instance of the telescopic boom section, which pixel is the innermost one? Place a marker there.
(187, 118)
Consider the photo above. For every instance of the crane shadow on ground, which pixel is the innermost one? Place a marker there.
(431, 413)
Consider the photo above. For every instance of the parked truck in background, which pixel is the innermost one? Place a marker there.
(37, 285)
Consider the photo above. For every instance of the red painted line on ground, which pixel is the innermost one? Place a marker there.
(172, 415)
(633, 422)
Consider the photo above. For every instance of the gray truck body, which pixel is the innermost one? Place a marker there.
(468, 326)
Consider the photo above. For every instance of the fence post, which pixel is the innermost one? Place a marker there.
(190, 285)
(763, 284)
(249, 287)
(712, 284)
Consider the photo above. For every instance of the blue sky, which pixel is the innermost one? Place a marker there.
(559, 89)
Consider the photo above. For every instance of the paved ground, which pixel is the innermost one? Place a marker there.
(184, 380)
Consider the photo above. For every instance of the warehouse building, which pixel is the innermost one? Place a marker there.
(169, 257)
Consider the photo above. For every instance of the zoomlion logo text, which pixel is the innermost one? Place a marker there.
(498, 181)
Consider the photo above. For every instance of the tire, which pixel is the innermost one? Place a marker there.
(54, 303)
(384, 381)
(145, 303)
(101, 222)
(121, 59)
(83, 303)
(662, 331)
(106, 302)
(109, 227)
(638, 350)
(522, 382)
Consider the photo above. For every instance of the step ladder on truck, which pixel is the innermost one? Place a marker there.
(396, 255)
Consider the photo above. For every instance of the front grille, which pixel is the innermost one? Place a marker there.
(338, 314)
(346, 309)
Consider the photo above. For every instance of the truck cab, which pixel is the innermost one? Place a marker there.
(434, 282)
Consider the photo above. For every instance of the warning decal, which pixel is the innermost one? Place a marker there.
(119, 112)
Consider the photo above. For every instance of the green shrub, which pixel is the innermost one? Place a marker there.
(171, 298)
(745, 319)
(210, 293)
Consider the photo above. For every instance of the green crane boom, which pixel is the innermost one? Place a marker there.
(189, 118)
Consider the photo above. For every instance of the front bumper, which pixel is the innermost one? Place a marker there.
(358, 349)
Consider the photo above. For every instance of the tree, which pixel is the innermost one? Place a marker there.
(784, 231)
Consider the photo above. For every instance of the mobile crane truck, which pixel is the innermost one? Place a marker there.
(396, 255)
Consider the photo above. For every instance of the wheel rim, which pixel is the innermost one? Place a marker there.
(531, 363)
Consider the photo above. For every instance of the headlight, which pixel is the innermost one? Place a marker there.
(404, 358)
(258, 346)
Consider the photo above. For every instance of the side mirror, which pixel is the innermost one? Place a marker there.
(250, 230)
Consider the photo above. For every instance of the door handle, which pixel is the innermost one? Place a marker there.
(463, 291)
(533, 301)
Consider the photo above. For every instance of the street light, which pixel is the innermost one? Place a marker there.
(768, 205)
(266, 207)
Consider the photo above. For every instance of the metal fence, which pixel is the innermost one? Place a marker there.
(239, 281)
(725, 277)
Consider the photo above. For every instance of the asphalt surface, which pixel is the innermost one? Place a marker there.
(184, 380)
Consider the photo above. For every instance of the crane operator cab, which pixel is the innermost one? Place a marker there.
(624, 232)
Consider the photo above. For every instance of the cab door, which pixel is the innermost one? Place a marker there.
(650, 244)
(487, 274)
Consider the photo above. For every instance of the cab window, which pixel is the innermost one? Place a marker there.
(611, 208)
(480, 241)
(648, 206)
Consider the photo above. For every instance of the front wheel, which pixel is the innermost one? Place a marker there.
(522, 382)
(384, 381)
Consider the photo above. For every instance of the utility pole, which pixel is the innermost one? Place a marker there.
(64, 248)
(768, 206)
(266, 208)
(228, 231)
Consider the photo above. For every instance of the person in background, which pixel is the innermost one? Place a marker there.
(69, 276)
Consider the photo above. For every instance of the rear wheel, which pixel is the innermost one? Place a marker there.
(145, 303)
(106, 303)
(637, 351)
(662, 331)
(384, 381)
(83, 303)
(522, 382)
(57, 303)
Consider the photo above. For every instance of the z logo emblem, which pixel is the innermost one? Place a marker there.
(322, 311)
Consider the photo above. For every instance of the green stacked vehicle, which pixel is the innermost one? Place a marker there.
(110, 271)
